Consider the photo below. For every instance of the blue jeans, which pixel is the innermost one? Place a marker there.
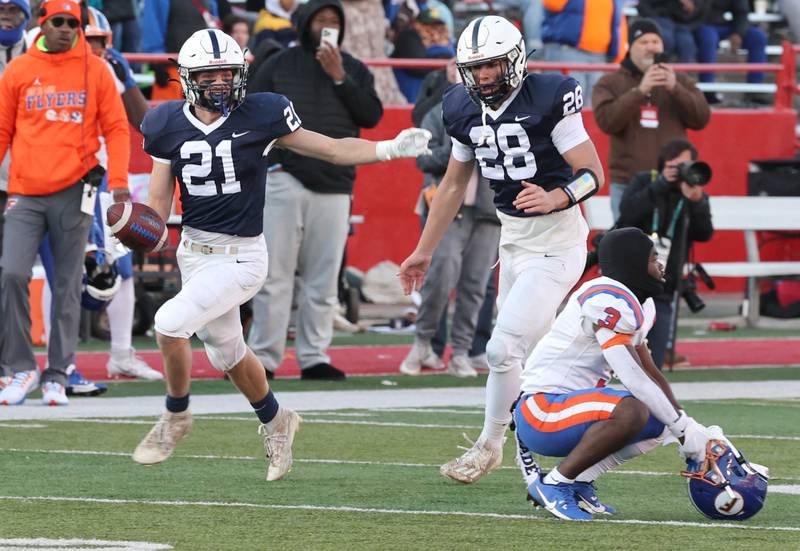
(708, 37)
(678, 40)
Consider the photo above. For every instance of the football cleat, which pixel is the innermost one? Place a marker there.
(22, 384)
(54, 394)
(420, 355)
(127, 363)
(588, 500)
(160, 442)
(477, 461)
(558, 499)
(460, 366)
(278, 437)
(78, 385)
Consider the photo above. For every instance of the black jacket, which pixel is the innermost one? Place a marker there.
(673, 9)
(646, 193)
(336, 111)
(738, 8)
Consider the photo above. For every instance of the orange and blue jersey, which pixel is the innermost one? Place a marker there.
(615, 291)
(596, 26)
(553, 424)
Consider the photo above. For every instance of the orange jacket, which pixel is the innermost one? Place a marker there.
(52, 108)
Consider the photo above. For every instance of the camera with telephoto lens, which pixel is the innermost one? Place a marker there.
(694, 173)
(689, 287)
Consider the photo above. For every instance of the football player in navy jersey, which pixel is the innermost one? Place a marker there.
(527, 135)
(216, 143)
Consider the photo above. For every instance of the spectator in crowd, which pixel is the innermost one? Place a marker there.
(432, 90)
(14, 17)
(275, 21)
(52, 186)
(642, 106)
(366, 39)
(123, 15)
(585, 32)
(738, 32)
(166, 25)
(306, 217)
(675, 214)
(678, 20)
(238, 28)
(532, 15)
(425, 38)
(462, 260)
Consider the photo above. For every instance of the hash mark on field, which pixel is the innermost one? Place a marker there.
(330, 461)
(371, 510)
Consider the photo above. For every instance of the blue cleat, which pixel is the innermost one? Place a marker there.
(558, 499)
(588, 500)
(78, 385)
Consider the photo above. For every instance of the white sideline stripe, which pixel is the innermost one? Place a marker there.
(45, 544)
(329, 461)
(371, 510)
(792, 489)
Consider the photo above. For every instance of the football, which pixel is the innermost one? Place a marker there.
(137, 226)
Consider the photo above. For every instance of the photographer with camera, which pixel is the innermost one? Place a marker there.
(669, 204)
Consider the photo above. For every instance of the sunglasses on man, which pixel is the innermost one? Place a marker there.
(71, 22)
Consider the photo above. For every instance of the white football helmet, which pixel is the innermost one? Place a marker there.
(209, 50)
(486, 39)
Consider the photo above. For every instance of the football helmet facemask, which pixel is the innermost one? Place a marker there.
(725, 486)
(485, 40)
(212, 50)
(101, 281)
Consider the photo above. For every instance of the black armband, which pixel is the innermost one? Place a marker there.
(582, 186)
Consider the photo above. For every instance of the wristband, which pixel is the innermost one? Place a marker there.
(582, 186)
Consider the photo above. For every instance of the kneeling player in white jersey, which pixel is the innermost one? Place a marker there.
(216, 144)
(526, 133)
(566, 410)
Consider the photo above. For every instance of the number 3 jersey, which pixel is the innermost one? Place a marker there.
(523, 139)
(569, 357)
(221, 167)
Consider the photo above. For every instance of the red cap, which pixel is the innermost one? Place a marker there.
(49, 8)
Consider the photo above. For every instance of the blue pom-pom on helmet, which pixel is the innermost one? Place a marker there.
(725, 486)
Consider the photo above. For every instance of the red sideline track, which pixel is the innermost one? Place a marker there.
(384, 360)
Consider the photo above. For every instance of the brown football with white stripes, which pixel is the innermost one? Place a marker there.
(137, 226)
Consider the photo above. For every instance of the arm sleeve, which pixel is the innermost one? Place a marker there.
(462, 152)
(568, 133)
(358, 95)
(631, 374)
(115, 128)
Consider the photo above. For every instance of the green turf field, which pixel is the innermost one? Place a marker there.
(364, 479)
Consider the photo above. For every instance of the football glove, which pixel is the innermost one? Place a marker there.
(411, 142)
(121, 67)
(695, 440)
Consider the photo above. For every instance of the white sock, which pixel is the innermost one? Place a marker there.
(555, 477)
(120, 316)
(501, 391)
(617, 458)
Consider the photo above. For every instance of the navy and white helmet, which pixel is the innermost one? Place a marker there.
(486, 39)
(725, 486)
(210, 50)
(101, 280)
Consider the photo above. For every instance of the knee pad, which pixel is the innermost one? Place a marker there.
(224, 355)
(504, 350)
(171, 320)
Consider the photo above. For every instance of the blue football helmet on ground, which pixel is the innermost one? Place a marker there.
(725, 486)
(101, 281)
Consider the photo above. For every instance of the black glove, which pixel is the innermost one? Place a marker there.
(161, 74)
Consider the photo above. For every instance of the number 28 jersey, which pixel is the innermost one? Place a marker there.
(221, 167)
(523, 138)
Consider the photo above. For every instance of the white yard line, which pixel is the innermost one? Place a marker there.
(370, 510)
(134, 406)
(46, 544)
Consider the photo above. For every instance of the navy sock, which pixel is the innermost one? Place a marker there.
(267, 408)
(177, 405)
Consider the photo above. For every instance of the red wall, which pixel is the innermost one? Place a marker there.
(385, 193)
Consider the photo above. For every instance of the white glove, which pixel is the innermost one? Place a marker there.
(695, 440)
(411, 142)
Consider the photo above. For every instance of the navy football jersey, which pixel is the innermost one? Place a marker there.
(221, 167)
(517, 144)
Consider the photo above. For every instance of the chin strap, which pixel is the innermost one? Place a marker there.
(582, 186)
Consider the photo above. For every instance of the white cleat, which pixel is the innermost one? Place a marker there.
(54, 394)
(460, 366)
(421, 355)
(127, 363)
(160, 442)
(477, 461)
(278, 437)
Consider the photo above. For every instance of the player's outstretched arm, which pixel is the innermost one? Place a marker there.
(162, 188)
(446, 202)
(411, 142)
